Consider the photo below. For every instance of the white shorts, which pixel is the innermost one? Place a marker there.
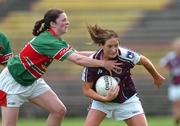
(12, 94)
(118, 111)
(174, 92)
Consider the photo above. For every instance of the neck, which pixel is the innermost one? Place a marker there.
(104, 57)
(54, 32)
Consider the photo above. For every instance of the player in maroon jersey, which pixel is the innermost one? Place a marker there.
(172, 63)
(122, 103)
(21, 80)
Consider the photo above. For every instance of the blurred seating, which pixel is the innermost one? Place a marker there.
(156, 27)
(80, 12)
(97, 5)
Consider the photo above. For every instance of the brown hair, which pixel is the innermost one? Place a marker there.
(50, 15)
(100, 35)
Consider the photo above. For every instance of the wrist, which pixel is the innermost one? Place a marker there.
(102, 64)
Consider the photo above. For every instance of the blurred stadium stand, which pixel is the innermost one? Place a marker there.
(141, 24)
(156, 26)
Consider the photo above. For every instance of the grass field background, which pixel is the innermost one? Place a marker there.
(152, 121)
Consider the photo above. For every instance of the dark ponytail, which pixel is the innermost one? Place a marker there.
(37, 26)
(51, 15)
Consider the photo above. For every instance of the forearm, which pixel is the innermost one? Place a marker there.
(149, 67)
(88, 62)
(92, 94)
(85, 53)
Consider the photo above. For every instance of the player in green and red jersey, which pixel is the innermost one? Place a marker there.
(5, 49)
(21, 80)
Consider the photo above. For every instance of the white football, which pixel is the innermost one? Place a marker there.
(104, 83)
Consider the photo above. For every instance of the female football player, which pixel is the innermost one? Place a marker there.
(172, 63)
(21, 80)
(5, 49)
(122, 102)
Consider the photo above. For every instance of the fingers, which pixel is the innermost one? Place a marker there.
(118, 64)
(115, 63)
(112, 65)
(158, 83)
(115, 91)
(115, 70)
(112, 93)
(110, 72)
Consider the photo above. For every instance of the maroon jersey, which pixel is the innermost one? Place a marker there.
(172, 62)
(128, 59)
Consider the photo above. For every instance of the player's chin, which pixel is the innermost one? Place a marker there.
(112, 56)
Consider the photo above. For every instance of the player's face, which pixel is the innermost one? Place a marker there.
(176, 47)
(110, 48)
(61, 24)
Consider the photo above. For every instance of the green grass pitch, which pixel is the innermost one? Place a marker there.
(152, 121)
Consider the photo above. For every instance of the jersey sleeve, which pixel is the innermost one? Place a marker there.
(88, 73)
(55, 49)
(136, 57)
(84, 74)
(130, 55)
(164, 61)
(5, 49)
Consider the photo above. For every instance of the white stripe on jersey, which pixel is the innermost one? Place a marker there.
(166, 59)
(129, 55)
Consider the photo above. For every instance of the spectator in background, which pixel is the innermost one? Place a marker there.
(122, 104)
(21, 80)
(5, 49)
(172, 63)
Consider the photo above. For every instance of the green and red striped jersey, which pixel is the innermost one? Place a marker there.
(36, 56)
(5, 49)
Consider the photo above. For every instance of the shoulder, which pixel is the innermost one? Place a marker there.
(46, 38)
(127, 54)
(97, 54)
(3, 36)
(167, 58)
(170, 56)
(3, 39)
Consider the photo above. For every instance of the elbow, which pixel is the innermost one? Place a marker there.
(143, 60)
(80, 60)
(85, 92)
(78, 63)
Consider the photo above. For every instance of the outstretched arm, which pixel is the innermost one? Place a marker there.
(85, 53)
(110, 65)
(158, 78)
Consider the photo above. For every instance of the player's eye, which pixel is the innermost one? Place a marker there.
(64, 20)
(110, 46)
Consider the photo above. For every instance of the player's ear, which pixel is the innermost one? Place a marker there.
(53, 24)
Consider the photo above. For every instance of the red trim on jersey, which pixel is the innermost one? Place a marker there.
(5, 57)
(36, 59)
(61, 53)
(31, 70)
(53, 32)
(3, 100)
